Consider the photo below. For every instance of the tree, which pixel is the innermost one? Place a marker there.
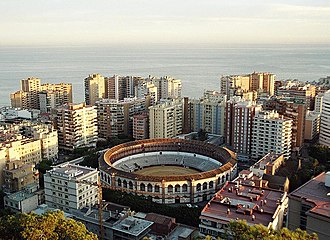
(240, 230)
(202, 135)
(52, 225)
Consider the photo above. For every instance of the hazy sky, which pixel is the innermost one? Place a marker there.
(164, 21)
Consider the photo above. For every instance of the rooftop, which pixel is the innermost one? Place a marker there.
(132, 226)
(69, 170)
(181, 232)
(316, 192)
(20, 196)
(253, 204)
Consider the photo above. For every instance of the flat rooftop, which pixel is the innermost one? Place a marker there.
(132, 226)
(253, 204)
(315, 192)
(69, 170)
(20, 196)
(181, 232)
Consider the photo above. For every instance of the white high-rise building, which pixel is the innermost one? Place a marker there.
(165, 119)
(271, 132)
(318, 102)
(94, 88)
(77, 126)
(167, 87)
(69, 187)
(325, 120)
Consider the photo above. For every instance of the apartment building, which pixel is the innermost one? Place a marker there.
(115, 117)
(94, 88)
(271, 132)
(238, 125)
(45, 97)
(325, 120)
(291, 108)
(167, 87)
(312, 126)
(141, 126)
(309, 207)
(21, 148)
(77, 126)
(255, 205)
(64, 91)
(69, 187)
(255, 82)
(206, 114)
(306, 93)
(47, 135)
(165, 119)
(18, 175)
(20, 99)
(120, 87)
(318, 102)
(26, 200)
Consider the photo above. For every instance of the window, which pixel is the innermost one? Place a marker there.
(142, 187)
(184, 188)
(170, 188)
(177, 188)
(149, 187)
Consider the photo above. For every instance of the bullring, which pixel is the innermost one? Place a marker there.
(168, 170)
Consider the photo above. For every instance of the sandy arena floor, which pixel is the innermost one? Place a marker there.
(166, 171)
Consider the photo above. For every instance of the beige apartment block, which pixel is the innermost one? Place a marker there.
(22, 148)
(77, 126)
(94, 88)
(48, 137)
(165, 119)
(64, 90)
(18, 174)
(255, 82)
(312, 125)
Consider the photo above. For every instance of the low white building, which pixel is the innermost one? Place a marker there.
(69, 187)
(26, 200)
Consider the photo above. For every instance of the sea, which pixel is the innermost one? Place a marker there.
(198, 66)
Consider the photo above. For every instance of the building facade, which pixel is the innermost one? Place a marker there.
(116, 117)
(325, 120)
(255, 205)
(94, 88)
(312, 126)
(77, 126)
(238, 125)
(207, 113)
(309, 207)
(165, 119)
(141, 126)
(234, 85)
(69, 187)
(271, 132)
(18, 175)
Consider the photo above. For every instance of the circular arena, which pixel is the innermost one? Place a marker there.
(168, 170)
